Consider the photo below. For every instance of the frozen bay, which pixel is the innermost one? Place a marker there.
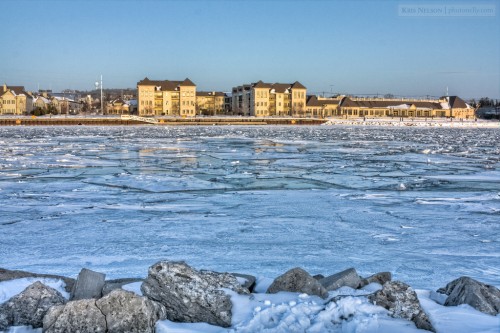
(421, 203)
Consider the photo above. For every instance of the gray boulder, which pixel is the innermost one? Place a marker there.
(480, 296)
(402, 302)
(81, 316)
(30, 306)
(111, 285)
(191, 296)
(89, 284)
(297, 280)
(249, 283)
(119, 311)
(379, 278)
(347, 278)
(126, 312)
(7, 275)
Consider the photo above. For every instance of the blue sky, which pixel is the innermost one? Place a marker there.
(356, 47)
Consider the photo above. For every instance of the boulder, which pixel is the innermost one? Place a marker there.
(7, 275)
(81, 316)
(89, 284)
(480, 296)
(126, 312)
(30, 306)
(249, 281)
(379, 278)
(297, 280)
(119, 311)
(402, 302)
(318, 276)
(347, 278)
(191, 296)
(111, 285)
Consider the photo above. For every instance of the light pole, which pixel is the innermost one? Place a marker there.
(97, 85)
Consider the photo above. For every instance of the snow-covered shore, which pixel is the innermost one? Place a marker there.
(414, 122)
(287, 312)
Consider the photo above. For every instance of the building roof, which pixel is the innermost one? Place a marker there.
(314, 101)
(166, 84)
(390, 103)
(298, 85)
(187, 83)
(261, 84)
(210, 93)
(457, 102)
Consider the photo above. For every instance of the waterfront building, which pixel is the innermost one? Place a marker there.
(446, 106)
(120, 106)
(65, 105)
(172, 98)
(210, 103)
(269, 99)
(14, 100)
(322, 106)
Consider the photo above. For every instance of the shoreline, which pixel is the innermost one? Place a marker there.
(235, 121)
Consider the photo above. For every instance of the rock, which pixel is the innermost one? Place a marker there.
(119, 311)
(127, 312)
(379, 278)
(30, 306)
(7, 275)
(81, 316)
(297, 280)
(249, 283)
(318, 276)
(191, 296)
(347, 278)
(480, 296)
(111, 285)
(402, 302)
(89, 284)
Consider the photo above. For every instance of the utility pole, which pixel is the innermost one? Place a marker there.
(102, 109)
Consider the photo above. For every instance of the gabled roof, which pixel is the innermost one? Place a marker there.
(261, 84)
(15, 90)
(376, 103)
(298, 85)
(457, 102)
(187, 83)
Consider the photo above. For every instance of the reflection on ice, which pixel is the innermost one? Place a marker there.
(422, 203)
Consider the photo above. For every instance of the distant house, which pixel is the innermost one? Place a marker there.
(14, 100)
(65, 105)
(120, 106)
(41, 102)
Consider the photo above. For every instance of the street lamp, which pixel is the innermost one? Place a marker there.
(97, 85)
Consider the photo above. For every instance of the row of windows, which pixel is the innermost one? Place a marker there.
(8, 101)
(299, 94)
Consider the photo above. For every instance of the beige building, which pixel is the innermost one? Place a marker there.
(322, 106)
(120, 106)
(15, 100)
(446, 106)
(269, 99)
(171, 98)
(210, 103)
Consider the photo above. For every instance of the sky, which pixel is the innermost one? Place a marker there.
(405, 48)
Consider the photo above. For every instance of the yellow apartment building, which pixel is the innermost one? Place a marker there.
(269, 99)
(14, 100)
(210, 103)
(170, 98)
